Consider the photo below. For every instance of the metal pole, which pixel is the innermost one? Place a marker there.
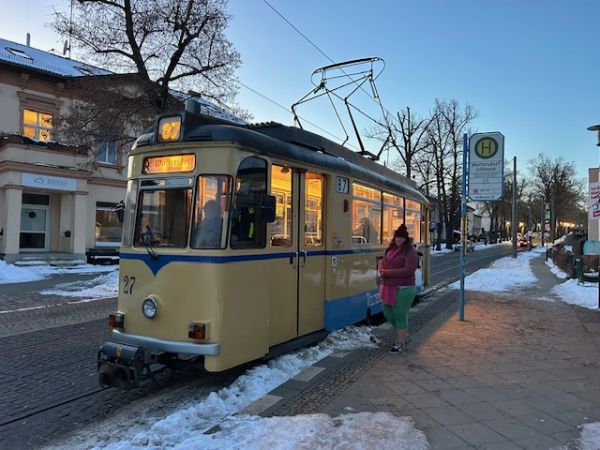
(463, 217)
(514, 209)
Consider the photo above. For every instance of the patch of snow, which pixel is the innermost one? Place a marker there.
(314, 431)
(590, 436)
(556, 270)
(12, 274)
(503, 274)
(9, 273)
(575, 293)
(102, 286)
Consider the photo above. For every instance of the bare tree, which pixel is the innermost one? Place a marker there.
(408, 137)
(159, 48)
(445, 135)
(556, 182)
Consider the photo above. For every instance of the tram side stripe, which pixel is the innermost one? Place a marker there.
(156, 264)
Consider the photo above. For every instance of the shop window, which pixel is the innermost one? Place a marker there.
(413, 219)
(281, 188)
(37, 125)
(107, 152)
(108, 226)
(248, 230)
(366, 215)
(393, 215)
(212, 203)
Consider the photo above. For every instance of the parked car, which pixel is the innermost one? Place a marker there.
(470, 246)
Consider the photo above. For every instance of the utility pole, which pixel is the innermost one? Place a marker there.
(514, 208)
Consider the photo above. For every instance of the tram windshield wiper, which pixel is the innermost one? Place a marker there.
(150, 248)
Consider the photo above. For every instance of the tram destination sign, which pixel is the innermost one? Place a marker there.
(486, 166)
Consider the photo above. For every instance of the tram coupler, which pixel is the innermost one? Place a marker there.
(121, 365)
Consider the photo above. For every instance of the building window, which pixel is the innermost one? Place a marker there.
(107, 152)
(37, 125)
(108, 227)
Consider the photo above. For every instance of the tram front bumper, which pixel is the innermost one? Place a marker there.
(168, 346)
(126, 361)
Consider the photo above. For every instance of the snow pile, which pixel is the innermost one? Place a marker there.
(590, 436)
(13, 274)
(556, 270)
(46, 270)
(10, 273)
(503, 274)
(315, 431)
(575, 293)
(100, 287)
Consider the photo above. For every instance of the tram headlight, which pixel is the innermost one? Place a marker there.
(150, 308)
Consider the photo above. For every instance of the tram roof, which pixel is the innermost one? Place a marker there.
(293, 143)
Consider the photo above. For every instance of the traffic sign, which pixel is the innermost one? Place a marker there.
(486, 166)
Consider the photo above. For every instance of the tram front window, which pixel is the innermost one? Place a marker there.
(163, 218)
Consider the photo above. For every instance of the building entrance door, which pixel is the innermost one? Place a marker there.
(34, 227)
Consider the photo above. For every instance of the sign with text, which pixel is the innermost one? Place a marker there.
(486, 166)
(48, 182)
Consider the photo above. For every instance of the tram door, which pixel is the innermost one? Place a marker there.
(311, 253)
(298, 285)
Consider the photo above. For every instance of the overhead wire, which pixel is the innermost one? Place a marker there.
(326, 56)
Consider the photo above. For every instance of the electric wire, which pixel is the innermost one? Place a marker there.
(325, 55)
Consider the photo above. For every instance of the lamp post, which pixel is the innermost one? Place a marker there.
(595, 128)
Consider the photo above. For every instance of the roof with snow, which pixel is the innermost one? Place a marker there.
(20, 55)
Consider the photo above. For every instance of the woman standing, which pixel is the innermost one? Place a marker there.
(398, 288)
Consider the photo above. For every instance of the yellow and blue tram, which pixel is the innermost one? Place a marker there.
(240, 240)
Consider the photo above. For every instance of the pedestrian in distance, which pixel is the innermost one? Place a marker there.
(398, 290)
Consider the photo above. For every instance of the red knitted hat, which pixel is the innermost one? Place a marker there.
(401, 232)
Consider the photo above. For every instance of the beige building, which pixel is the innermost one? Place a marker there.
(55, 200)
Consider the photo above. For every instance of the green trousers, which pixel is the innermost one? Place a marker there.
(397, 315)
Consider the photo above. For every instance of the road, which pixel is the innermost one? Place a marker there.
(49, 379)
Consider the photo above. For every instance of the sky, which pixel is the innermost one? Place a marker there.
(528, 68)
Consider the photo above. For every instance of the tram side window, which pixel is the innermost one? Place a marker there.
(248, 230)
(281, 188)
(413, 219)
(366, 215)
(211, 206)
(393, 215)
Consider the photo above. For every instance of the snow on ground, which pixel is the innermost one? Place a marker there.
(556, 270)
(13, 274)
(183, 428)
(10, 273)
(504, 274)
(590, 436)
(478, 246)
(103, 286)
(315, 431)
(575, 293)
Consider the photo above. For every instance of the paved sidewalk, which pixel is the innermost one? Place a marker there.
(518, 373)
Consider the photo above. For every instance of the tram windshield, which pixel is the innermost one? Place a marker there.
(163, 215)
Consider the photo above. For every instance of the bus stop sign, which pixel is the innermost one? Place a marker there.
(486, 166)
